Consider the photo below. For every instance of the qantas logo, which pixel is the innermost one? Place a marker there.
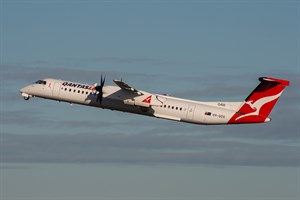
(148, 99)
(76, 85)
(256, 106)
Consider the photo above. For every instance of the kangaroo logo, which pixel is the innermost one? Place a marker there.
(148, 99)
(256, 106)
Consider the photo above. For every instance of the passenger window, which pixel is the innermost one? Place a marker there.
(74, 90)
(172, 107)
(65, 89)
(165, 106)
(78, 91)
(169, 106)
(176, 108)
(70, 90)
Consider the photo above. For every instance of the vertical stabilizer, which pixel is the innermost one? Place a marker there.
(259, 104)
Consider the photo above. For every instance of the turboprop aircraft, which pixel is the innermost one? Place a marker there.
(122, 97)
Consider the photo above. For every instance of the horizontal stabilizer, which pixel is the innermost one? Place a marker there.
(275, 80)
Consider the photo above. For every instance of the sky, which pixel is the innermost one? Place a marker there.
(200, 50)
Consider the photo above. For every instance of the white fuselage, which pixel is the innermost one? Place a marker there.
(115, 98)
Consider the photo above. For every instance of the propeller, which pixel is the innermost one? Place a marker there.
(99, 89)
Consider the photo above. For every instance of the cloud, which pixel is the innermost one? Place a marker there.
(30, 71)
(143, 149)
(32, 119)
(25, 73)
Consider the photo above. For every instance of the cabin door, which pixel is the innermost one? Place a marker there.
(56, 89)
(190, 112)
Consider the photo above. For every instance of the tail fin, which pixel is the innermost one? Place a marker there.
(259, 104)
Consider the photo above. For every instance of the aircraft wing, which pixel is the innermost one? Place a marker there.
(125, 86)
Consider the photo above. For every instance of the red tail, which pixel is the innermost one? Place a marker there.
(259, 104)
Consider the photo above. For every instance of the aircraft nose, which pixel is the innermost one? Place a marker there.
(24, 90)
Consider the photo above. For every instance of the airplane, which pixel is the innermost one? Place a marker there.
(122, 97)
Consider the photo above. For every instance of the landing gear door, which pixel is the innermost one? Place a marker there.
(56, 90)
(190, 112)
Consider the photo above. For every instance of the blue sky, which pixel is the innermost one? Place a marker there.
(201, 50)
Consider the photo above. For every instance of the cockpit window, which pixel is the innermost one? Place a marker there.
(41, 82)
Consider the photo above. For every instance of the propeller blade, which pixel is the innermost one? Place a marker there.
(99, 89)
(102, 80)
(99, 98)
